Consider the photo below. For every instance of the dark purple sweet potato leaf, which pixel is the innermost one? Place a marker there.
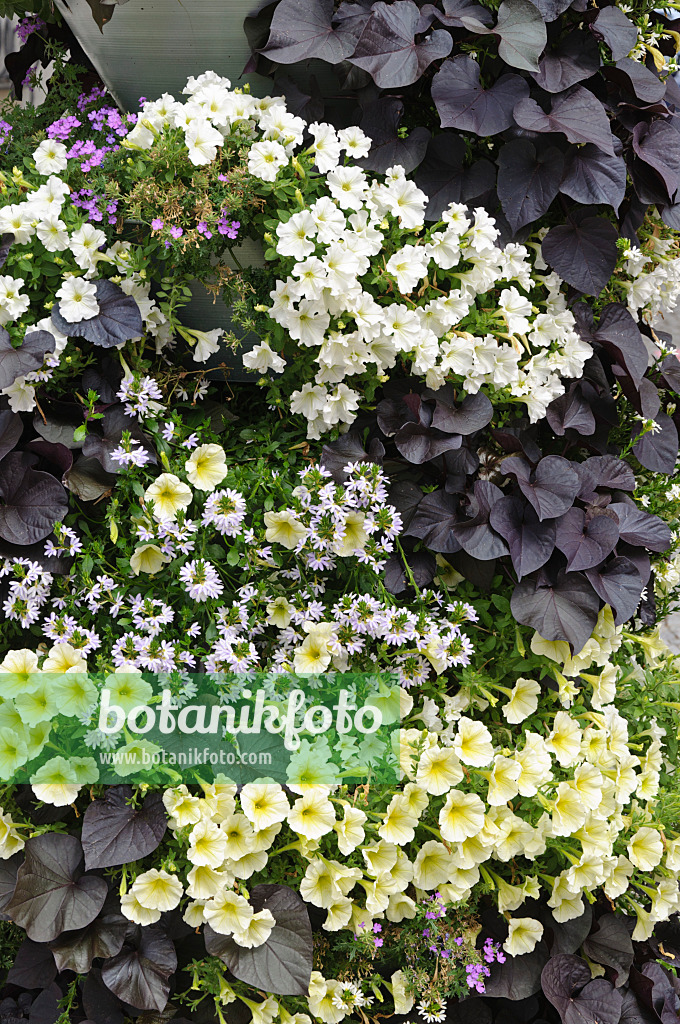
(528, 180)
(472, 530)
(618, 31)
(604, 471)
(560, 607)
(551, 487)
(33, 966)
(88, 479)
(423, 568)
(620, 336)
(576, 113)
(474, 412)
(641, 529)
(610, 944)
(518, 978)
(551, 9)
(631, 74)
(521, 33)
(99, 1002)
(420, 444)
(141, 976)
(670, 371)
(577, 999)
(52, 894)
(283, 964)
(592, 177)
(457, 13)
(530, 541)
(6, 243)
(11, 429)
(115, 833)
(583, 254)
(8, 881)
(301, 29)
(462, 103)
(75, 951)
(387, 47)
(574, 59)
(118, 319)
(434, 521)
(658, 145)
(381, 122)
(571, 411)
(658, 450)
(585, 541)
(30, 355)
(441, 174)
(31, 502)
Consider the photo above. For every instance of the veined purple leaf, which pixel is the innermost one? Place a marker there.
(572, 410)
(118, 319)
(301, 29)
(381, 122)
(576, 998)
(457, 13)
(474, 412)
(11, 429)
(560, 606)
(551, 487)
(472, 529)
(522, 34)
(618, 31)
(531, 542)
(620, 336)
(584, 254)
(619, 584)
(658, 145)
(387, 47)
(420, 444)
(30, 355)
(641, 528)
(528, 180)
(586, 541)
(31, 502)
(434, 521)
(658, 450)
(462, 103)
(551, 9)
(604, 471)
(593, 177)
(52, 894)
(440, 175)
(576, 113)
(634, 75)
(140, 975)
(610, 944)
(574, 59)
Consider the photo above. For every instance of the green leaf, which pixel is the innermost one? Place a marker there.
(80, 433)
(233, 556)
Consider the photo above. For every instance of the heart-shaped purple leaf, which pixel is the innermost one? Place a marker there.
(531, 542)
(30, 355)
(31, 502)
(584, 254)
(585, 541)
(560, 607)
(463, 103)
(117, 321)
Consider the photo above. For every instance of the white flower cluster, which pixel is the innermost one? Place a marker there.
(653, 285)
(328, 304)
(338, 245)
(37, 220)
